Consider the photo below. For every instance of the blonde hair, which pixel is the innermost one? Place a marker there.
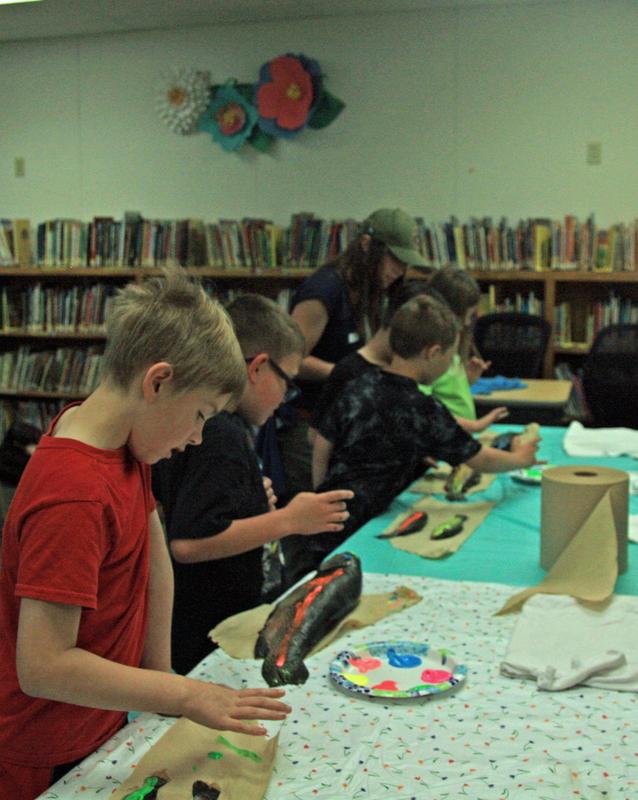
(172, 319)
(262, 326)
(422, 322)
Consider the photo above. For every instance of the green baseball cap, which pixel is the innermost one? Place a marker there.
(396, 229)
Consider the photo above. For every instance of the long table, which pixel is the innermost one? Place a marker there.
(494, 738)
(543, 399)
(506, 547)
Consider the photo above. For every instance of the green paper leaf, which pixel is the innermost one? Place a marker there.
(259, 140)
(328, 109)
(246, 90)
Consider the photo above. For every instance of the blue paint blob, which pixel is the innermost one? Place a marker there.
(402, 661)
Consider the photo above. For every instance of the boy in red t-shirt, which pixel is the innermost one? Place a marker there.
(86, 584)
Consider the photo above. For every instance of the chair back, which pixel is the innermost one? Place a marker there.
(514, 342)
(610, 377)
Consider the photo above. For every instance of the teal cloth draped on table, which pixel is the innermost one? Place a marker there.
(505, 548)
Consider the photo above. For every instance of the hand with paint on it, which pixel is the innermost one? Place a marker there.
(218, 706)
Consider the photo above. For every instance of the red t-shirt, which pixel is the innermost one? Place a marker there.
(77, 532)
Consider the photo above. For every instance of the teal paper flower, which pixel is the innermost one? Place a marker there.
(229, 118)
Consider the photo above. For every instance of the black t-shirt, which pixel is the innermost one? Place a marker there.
(346, 370)
(202, 491)
(340, 336)
(382, 428)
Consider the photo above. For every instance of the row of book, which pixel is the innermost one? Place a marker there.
(524, 303)
(532, 244)
(613, 311)
(41, 308)
(257, 243)
(66, 370)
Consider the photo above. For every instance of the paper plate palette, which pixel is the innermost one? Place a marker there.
(530, 474)
(397, 669)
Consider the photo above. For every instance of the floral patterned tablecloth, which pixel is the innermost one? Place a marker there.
(493, 738)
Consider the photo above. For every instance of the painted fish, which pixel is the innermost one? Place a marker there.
(302, 618)
(202, 791)
(459, 481)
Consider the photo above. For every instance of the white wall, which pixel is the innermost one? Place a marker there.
(480, 110)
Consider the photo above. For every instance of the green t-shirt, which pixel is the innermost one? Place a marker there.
(453, 390)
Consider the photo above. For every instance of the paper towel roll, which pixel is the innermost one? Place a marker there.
(568, 497)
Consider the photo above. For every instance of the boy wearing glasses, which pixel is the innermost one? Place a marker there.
(221, 519)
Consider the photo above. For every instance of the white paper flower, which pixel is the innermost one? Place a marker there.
(183, 97)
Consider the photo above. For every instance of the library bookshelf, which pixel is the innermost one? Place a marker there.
(37, 327)
(571, 293)
(569, 300)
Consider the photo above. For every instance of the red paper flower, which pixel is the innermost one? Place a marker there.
(288, 96)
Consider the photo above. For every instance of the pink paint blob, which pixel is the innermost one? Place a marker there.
(365, 664)
(435, 675)
(387, 686)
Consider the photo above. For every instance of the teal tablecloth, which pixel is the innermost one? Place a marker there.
(506, 547)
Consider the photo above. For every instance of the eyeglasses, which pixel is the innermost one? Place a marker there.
(292, 390)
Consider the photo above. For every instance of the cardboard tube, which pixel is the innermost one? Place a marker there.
(568, 497)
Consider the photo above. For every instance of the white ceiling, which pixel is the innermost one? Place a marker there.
(51, 18)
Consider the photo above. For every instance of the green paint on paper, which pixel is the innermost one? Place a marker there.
(215, 755)
(239, 750)
(147, 789)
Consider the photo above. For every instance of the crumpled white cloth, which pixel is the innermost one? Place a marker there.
(559, 643)
(582, 441)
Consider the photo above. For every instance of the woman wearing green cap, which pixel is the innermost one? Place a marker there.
(338, 308)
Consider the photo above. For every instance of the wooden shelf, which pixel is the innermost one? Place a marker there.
(556, 276)
(134, 273)
(39, 395)
(62, 336)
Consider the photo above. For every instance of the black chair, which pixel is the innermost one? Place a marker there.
(515, 343)
(610, 377)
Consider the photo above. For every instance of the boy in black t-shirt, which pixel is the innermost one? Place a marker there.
(376, 436)
(376, 353)
(220, 513)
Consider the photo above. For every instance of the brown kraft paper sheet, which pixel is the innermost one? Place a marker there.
(420, 543)
(238, 634)
(237, 764)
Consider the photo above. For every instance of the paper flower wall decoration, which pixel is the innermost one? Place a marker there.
(230, 118)
(183, 98)
(288, 87)
(288, 97)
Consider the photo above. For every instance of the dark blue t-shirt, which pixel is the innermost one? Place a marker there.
(340, 336)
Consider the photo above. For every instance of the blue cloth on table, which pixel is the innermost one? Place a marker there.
(497, 384)
(505, 548)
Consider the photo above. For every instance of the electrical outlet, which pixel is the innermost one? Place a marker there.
(594, 153)
(19, 167)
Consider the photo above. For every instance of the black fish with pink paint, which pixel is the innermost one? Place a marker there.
(302, 618)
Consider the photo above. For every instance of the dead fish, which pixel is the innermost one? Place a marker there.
(305, 616)
(460, 480)
(203, 791)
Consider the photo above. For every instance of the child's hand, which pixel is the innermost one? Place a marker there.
(309, 512)
(525, 451)
(272, 497)
(219, 706)
(491, 418)
(475, 367)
